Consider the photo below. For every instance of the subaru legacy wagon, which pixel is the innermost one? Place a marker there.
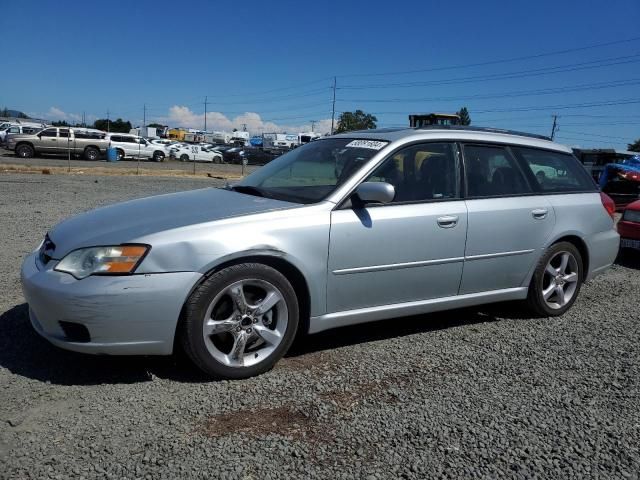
(348, 229)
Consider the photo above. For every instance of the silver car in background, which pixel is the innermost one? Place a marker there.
(345, 230)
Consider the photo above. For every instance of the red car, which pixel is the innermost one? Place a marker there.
(629, 226)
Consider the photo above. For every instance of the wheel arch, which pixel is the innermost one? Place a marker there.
(582, 247)
(285, 267)
(25, 142)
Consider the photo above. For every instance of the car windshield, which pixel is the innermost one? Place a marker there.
(310, 173)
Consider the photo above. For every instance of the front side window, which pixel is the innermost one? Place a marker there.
(555, 171)
(63, 132)
(312, 172)
(422, 172)
(49, 132)
(492, 172)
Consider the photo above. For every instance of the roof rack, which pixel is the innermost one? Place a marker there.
(468, 128)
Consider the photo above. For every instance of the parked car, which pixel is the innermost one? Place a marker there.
(621, 180)
(232, 154)
(86, 142)
(629, 227)
(254, 156)
(345, 230)
(133, 146)
(18, 129)
(198, 154)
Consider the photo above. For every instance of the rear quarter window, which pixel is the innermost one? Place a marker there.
(554, 172)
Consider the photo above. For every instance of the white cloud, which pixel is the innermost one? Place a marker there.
(56, 113)
(181, 116)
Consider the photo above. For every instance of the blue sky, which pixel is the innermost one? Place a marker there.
(271, 64)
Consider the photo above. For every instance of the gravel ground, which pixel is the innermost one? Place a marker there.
(470, 393)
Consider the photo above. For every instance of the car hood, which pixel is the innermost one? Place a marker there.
(128, 221)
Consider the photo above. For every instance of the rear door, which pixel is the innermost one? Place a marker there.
(509, 222)
(408, 250)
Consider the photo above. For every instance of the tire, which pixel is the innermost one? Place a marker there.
(184, 157)
(119, 154)
(247, 341)
(560, 269)
(25, 151)
(158, 156)
(217, 159)
(91, 153)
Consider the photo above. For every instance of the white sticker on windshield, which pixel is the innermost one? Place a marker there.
(371, 144)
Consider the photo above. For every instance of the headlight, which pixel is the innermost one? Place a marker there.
(116, 260)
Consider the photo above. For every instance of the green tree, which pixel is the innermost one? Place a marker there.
(156, 125)
(358, 120)
(60, 123)
(117, 126)
(465, 119)
(635, 146)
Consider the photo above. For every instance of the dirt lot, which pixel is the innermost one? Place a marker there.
(481, 392)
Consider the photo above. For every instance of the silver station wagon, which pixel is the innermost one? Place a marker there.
(344, 230)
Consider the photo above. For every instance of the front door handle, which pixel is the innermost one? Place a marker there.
(539, 213)
(448, 221)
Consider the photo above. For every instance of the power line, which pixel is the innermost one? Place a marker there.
(521, 93)
(495, 62)
(624, 101)
(506, 75)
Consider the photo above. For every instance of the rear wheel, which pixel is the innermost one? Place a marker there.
(91, 153)
(240, 321)
(184, 157)
(25, 151)
(119, 154)
(557, 280)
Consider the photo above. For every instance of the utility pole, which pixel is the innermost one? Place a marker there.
(333, 107)
(205, 114)
(313, 124)
(244, 127)
(554, 127)
(108, 122)
(144, 116)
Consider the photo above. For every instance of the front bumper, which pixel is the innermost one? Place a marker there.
(125, 315)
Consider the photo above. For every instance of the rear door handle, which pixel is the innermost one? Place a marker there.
(448, 221)
(539, 213)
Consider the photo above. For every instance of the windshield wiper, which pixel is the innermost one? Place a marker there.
(249, 190)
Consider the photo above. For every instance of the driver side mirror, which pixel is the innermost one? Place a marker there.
(374, 192)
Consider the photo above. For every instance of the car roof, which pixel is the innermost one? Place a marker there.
(478, 134)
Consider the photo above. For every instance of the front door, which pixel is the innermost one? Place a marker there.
(408, 250)
(49, 140)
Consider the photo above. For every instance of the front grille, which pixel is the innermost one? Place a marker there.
(75, 332)
(46, 250)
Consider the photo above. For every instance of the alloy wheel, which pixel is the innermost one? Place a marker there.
(560, 280)
(245, 323)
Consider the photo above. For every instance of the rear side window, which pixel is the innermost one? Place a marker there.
(492, 172)
(554, 171)
(63, 132)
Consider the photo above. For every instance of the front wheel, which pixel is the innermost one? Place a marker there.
(158, 156)
(184, 157)
(240, 321)
(556, 281)
(25, 151)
